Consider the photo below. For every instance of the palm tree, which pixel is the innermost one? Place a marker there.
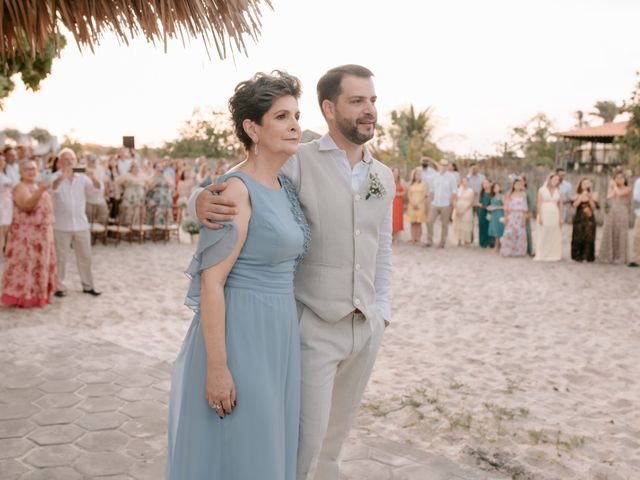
(606, 110)
(579, 115)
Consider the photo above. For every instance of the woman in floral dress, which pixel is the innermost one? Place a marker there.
(133, 185)
(159, 198)
(514, 239)
(29, 277)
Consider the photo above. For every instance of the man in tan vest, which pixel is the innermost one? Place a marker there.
(343, 284)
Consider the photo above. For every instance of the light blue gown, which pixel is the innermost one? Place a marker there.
(259, 439)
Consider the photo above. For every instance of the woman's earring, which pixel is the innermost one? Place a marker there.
(256, 150)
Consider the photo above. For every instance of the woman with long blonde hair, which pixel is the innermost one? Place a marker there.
(417, 207)
(549, 244)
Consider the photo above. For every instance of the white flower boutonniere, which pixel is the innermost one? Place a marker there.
(376, 188)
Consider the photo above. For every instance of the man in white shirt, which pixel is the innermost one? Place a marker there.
(443, 191)
(475, 180)
(124, 163)
(335, 366)
(12, 167)
(566, 194)
(635, 260)
(70, 190)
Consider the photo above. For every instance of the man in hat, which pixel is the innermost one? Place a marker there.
(443, 191)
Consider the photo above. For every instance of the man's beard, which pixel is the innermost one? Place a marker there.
(351, 133)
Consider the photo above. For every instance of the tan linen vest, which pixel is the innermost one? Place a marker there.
(337, 274)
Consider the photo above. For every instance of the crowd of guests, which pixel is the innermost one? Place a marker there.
(47, 208)
(505, 212)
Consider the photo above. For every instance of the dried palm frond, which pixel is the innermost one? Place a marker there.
(223, 23)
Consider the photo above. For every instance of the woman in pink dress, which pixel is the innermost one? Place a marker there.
(29, 277)
(514, 239)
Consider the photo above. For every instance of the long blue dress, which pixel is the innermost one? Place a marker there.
(496, 227)
(259, 439)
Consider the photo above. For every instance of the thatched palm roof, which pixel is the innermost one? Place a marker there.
(223, 23)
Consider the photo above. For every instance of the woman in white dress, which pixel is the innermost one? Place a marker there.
(463, 214)
(6, 204)
(549, 244)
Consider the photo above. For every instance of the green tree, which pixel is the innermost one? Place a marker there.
(207, 134)
(32, 68)
(631, 141)
(606, 110)
(40, 135)
(534, 142)
(12, 133)
(408, 138)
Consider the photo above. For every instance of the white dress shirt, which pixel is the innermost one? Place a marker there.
(443, 186)
(13, 172)
(475, 182)
(69, 202)
(427, 174)
(124, 165)
(356, 176)
(636, 197)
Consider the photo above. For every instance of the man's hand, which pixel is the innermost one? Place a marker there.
(212, 208)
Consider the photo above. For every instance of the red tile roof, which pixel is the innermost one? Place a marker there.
(611, 129)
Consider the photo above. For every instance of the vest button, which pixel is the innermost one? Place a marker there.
(357, 232)
(356, 301)
(357, 266)
(358, 197)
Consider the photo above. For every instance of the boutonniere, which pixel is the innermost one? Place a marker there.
(376, 188)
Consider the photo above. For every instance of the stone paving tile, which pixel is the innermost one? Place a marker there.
(11, 469)
(104, 463)
(104, 441)
(98, 390)
(11, 412)
(58, 400)
(15, 428)
(60, 386)
(53, 456)
(102, 421)
(20, 395)
(101, 404)
(14, 447)
(57, 416)
(97, 377)
(54, 473)
(145, 408)
(55, 434)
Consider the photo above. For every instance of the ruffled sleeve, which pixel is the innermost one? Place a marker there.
(213, 247)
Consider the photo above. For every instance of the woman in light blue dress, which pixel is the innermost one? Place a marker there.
(235, 392)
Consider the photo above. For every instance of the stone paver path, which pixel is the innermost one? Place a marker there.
(74, 406)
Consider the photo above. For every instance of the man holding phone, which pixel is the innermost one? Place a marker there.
(70, 187)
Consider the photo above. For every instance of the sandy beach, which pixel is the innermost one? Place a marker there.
(529, 369)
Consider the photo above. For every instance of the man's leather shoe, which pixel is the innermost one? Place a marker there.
(59, 293)
(92, 291)
(633, 264)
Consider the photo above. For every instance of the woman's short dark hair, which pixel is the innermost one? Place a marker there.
(329, 83)
(254, 97)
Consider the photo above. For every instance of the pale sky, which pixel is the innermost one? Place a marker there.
(483, 66)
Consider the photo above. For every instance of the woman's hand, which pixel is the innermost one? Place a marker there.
(220, 390)
(540, 220)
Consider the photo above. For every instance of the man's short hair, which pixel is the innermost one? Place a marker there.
(329, 84)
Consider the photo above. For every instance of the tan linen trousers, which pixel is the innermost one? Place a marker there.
(82, 247)
(337, 360)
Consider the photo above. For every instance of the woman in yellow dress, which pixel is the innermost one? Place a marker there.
(463, 214)
(417, 208)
